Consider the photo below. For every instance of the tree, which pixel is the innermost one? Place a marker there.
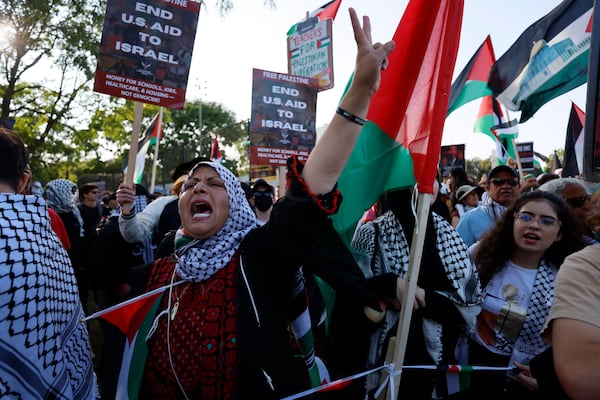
(47, 60)
(477, 167)
(53, 42)
(182, 140)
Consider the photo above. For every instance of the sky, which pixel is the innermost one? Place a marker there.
(253, 35)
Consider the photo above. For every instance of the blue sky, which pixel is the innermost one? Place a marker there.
(254, 36)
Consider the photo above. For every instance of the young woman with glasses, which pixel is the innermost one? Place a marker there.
(517, 261)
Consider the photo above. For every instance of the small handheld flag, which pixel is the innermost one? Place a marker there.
(215, 152)
(327, 10)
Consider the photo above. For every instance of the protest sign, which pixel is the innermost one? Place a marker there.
(283, 117)
(310, 51)
(146, 50)
(450, 157)
(525, 150)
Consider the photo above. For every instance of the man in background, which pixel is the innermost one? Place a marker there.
(264, 198)
(503, 190)
(91, 211)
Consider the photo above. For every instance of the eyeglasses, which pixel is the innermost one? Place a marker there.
(544, 222)
(266, 194)
(578, 201)
(500, 182)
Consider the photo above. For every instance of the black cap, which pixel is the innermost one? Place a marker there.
(247, 189)
(502, 168)
(185, 167)
(262, 183)
(141, 190)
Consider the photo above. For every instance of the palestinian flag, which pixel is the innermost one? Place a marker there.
(556, 164)
(471, 84)
(452, 379)
(548, 59)
(149, 138)
(215, 152)
(573, 160)
(324, 42)
(591, 149)
(327, 10)
(490, 114)
(400, 143)
(489, 118)
(508, 130)
(134, 318)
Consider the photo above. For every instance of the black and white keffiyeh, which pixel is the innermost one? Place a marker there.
(391, 253)
(61, 195)
(199, 259)
(494, 209)
(44, 346)
(530, 343)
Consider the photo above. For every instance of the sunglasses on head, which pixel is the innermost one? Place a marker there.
(577, 201)
(500, 182)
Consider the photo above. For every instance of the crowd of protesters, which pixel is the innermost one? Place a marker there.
(509, 275)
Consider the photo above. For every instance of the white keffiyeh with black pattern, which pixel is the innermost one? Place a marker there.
(61, 195)
(200, 259)
(392, 254)
(44, 346)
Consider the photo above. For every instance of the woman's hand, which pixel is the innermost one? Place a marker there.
(400, 288)
(370, 58)
(524, 376)
(125, 195)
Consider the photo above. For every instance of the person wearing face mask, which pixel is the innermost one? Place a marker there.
(264, 198)
(221, 328)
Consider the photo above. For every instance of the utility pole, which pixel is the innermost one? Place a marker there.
(200, 117)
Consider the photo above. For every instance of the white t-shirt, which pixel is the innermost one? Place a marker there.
(506, 298)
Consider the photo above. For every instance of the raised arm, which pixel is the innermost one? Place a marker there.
(328, 158)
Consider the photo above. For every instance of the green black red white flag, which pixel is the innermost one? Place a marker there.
(491, 118)
(573, 159)
(591, 145)
(471, 84)
(548, 59)
(150, 137)
(327, 10)
(215, 152)
(401, 141)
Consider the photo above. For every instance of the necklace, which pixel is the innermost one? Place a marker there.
(175, 307)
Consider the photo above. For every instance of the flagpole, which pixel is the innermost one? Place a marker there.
(514, 144)
(410, 288)
(155, 162)
(133, 149)
(132, 300)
